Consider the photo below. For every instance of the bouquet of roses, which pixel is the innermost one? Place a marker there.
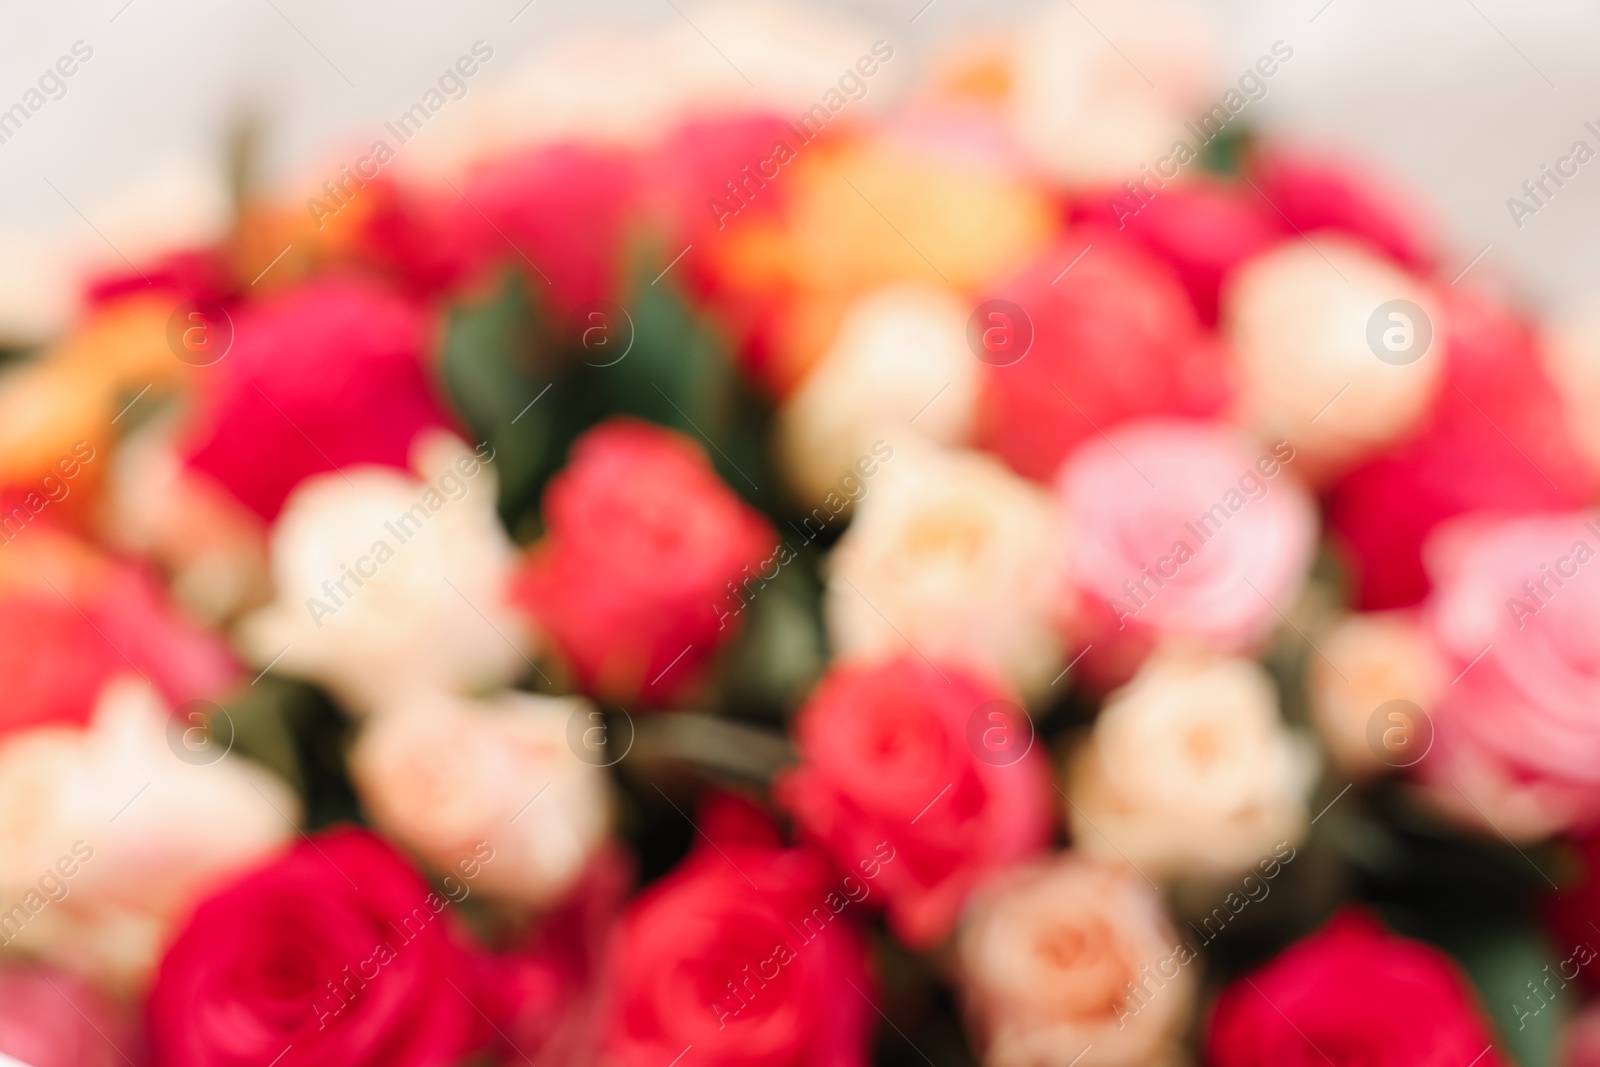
(1019, 576)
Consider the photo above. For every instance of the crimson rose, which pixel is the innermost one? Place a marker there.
(335, 955)
(1351, 993)
(748, 953)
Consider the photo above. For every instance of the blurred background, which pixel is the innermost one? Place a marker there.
(1461, 99)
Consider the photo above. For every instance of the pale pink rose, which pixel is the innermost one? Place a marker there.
(1190, 770)
(1179, 531)
(1300, 318)
(950, 556)
(1373, 658)
(443, 774)
(1073, 957)
(388, 581)
(144, 832)
(1086, 111)
(1515, 613)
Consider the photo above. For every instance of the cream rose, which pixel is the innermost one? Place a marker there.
(951, 554)
(1298, 317)
(440, 774)
(1087, 111)
(1073, 957)
(388, 582)
(900, 355)
(144, 833)
(1190, 770)
(1372, 658)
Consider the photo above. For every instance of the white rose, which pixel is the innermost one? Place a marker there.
(1298, 317)
(145, 834)
(1086, 110)
(1190, 770)
(955, 556)
(1073, 957)
(442, 774)
(387, 582)
(900, 355)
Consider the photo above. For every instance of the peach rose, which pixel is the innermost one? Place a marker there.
(1179, 531)
(1308, 320)
(1073, 961)
(952, 555)
(1515, 614)
(108, 835)
(899, 361)
(387, 582)
(441, 773)
(1373, 658)
(1190, 770)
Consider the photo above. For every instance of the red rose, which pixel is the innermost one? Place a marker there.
(746, 952)
(329, 375)
(889, 754)
(52, 1019)
(337, 954)
(635, 579)
(1497, 440)
(1202, 229)
(547, 988)
(1351, 993)
(1114, 337)
(59, 646)
(1304, 193)
(565, 208)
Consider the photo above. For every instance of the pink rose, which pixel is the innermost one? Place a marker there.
(1516, 613)
(328, 375)
(1178, 530)
(1114, 338)
(49, 1018)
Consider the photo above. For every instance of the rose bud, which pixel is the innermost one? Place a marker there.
(323, 377)
(389, 581)
(1321, 362)
(335, 955)
(442, 774)
(747, 952)
(646, 564)
(1178, 530)
(1190, 771)
(1356, 992)
(951, 554)
(887, 753)
(1514, 616)
(185, 819)
(1073, 961)
(1114, 337)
